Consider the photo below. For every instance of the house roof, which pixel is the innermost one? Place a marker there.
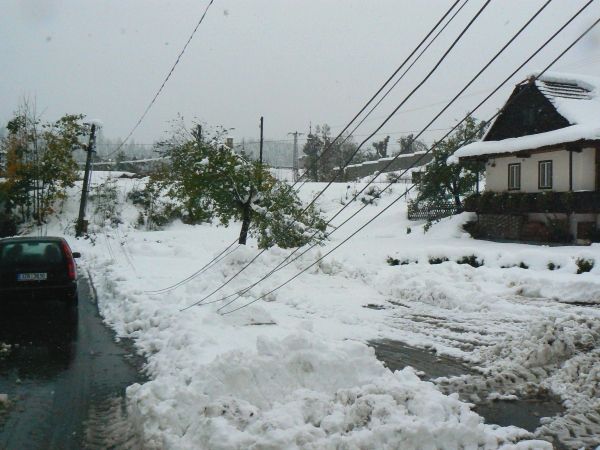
(575, 97)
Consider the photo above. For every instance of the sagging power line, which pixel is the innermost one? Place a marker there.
(404, 194)
(160, 89)
(411, 93)
(366, 105)
(473, 79)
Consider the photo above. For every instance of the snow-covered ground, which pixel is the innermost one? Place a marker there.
(294, 371)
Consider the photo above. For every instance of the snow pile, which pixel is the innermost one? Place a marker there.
(300, 392)
(547, 344)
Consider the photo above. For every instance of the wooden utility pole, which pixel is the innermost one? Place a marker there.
(260, 153)
(261, 140)
(295, 155)
(197, 133)
(246, 207)
(81, 225)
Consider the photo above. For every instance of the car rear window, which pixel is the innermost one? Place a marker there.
(36, 252)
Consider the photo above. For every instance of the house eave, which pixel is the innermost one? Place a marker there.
(563, 146)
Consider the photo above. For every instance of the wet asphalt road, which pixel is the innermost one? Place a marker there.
(65, 377)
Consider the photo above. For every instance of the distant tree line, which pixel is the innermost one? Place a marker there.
(324, 156)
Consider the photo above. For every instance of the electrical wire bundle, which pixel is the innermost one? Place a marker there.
(289, 261)
(391, 82)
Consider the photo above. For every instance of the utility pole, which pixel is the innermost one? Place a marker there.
(246, 207)
(295, 155)
(81, 225)
(260, 155)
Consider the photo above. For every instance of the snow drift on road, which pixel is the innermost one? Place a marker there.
(299, 392)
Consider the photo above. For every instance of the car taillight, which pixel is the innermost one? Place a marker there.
(71, 270)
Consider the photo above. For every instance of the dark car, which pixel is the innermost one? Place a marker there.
(39, 269)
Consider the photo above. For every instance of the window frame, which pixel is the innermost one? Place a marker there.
(518, 186)
(547, 174)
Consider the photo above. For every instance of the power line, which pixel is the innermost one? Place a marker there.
(473, 79)
(435, 67)
(404, 194)
(422, 107)
(165, 80)
(412, 92)
(433, 39)
(381, 88)
(222, 255)
(359, 147)
(406, 71)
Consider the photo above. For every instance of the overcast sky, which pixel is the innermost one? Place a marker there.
(293, 62)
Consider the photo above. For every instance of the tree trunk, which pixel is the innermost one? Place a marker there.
(246, 218)
(457, 201)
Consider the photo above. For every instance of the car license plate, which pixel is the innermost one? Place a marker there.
(40, 276)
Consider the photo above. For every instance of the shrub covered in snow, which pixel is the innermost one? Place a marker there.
(584, 265)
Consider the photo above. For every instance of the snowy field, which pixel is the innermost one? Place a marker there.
(293, 370)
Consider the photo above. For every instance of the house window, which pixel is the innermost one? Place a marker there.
(514, 176)
(545, 175)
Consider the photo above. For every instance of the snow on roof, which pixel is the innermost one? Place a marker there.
(561, 136)
(575, 97)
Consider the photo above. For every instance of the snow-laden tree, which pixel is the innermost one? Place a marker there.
(39, 162)
(442, 182)
(207, 180)
(324, 155)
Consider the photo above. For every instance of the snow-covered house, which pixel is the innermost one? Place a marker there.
(542, 162)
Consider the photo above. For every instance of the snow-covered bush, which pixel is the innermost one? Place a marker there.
(584, 265)
(281, 219)
(371, 195)
(158, 209)
(471, 260)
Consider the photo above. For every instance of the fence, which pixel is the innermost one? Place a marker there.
(430, 212)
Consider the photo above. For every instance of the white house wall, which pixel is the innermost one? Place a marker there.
(584, 167)
(584, 170)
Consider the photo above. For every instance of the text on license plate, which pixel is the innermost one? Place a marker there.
(40, 276)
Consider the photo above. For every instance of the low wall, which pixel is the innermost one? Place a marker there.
(403, 162)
